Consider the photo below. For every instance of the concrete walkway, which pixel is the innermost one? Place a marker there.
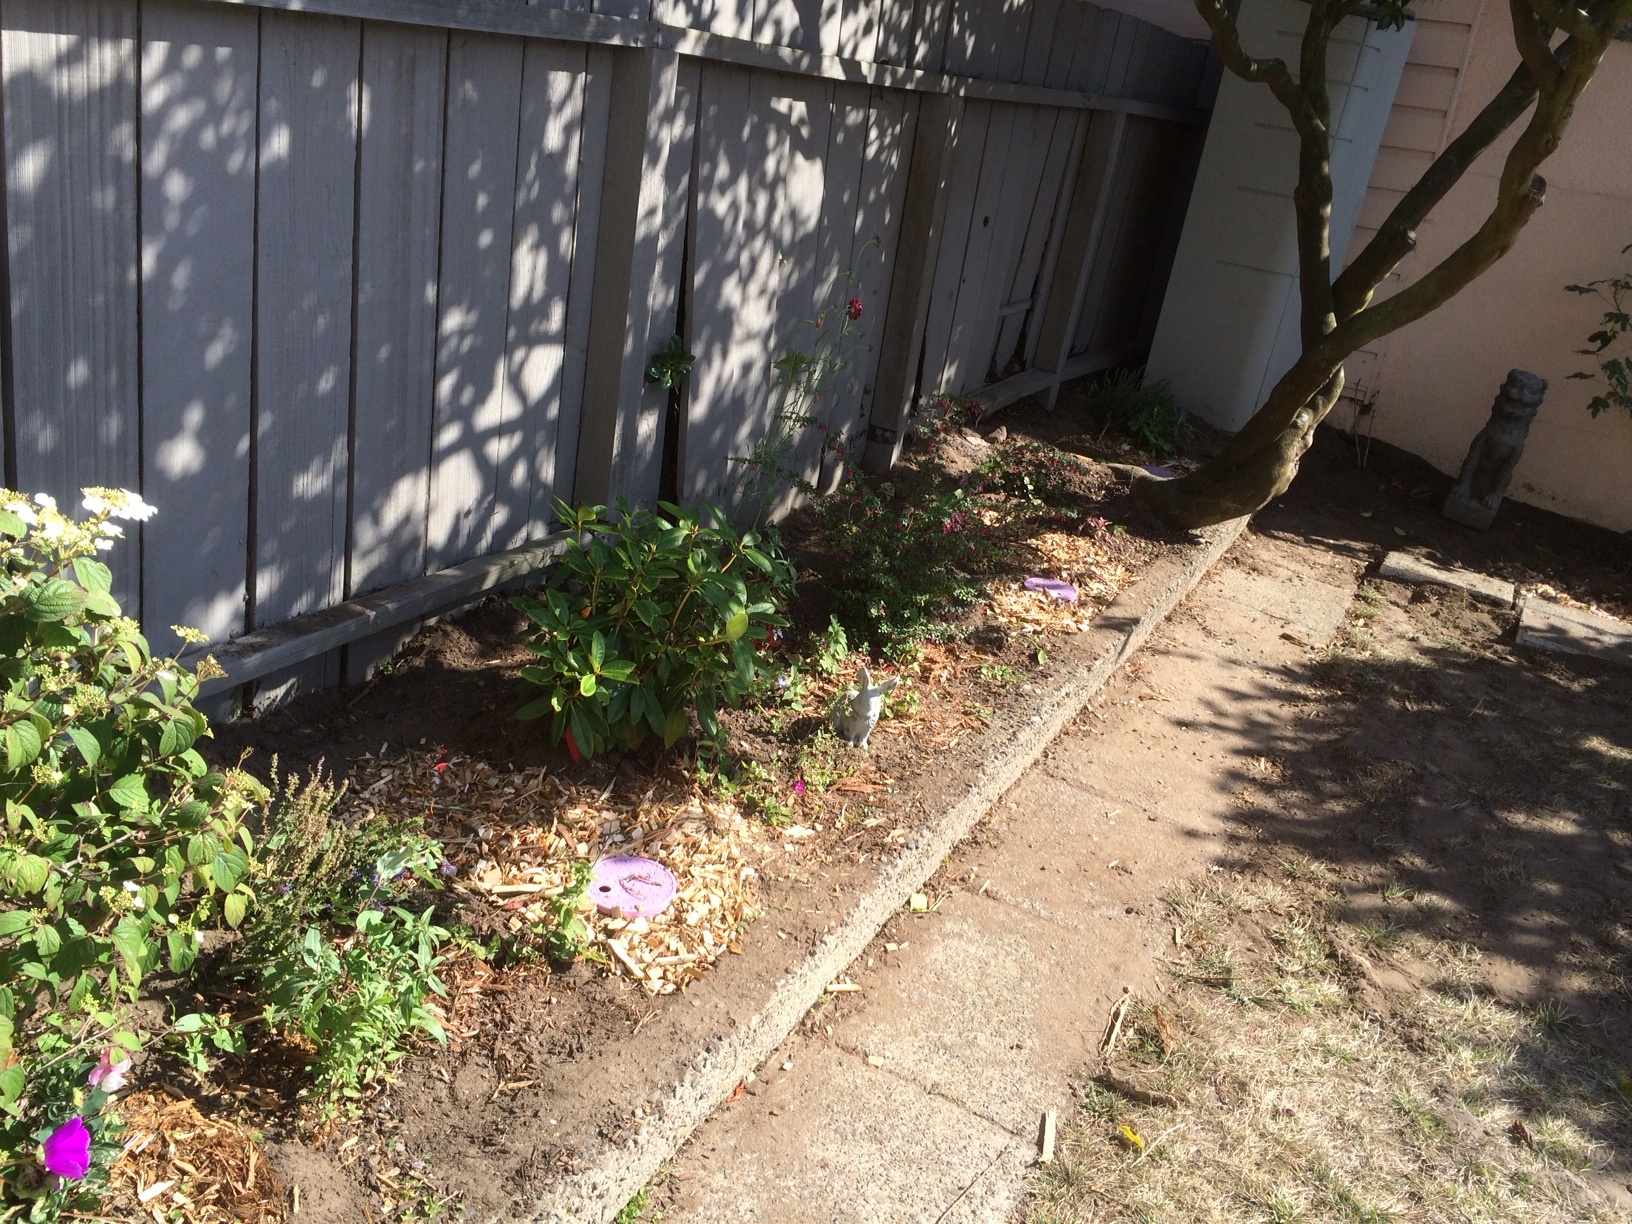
(917, 1100)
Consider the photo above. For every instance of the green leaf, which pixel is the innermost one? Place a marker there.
(54, 600)
(11, 525)
(12, 1082)
(89, 746)
(227, 868)
(30, 872)
(22, 742)
(183, 951)
(535, 709)
(47, 941)
(100, 603)
(93, 575)
(130, 941)
(15, 922)
(736, 626)
(586, 684)
(130, 792)
(201, 848)
(178, 736)
(234, 908)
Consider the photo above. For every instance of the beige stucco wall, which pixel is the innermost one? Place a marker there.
(1434, 381)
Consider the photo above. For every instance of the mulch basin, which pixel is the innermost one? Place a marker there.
(546, 1070)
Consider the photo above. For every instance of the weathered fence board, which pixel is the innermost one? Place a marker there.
(199, 98)
(70, 135)
(303, 277)
(474, 404)
(399, 207)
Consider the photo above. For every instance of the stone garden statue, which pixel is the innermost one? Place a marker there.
(856, 713)
(1495, 452)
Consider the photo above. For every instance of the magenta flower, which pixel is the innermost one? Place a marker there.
(852, 310)
(799, 786)
(68, 1150)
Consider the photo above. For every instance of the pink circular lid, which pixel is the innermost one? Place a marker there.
(631, 887)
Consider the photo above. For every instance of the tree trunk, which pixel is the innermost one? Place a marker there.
(1260, 461)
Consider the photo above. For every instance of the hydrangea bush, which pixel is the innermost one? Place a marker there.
(118, 848)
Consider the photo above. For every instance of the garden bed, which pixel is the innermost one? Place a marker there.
(549, 1066)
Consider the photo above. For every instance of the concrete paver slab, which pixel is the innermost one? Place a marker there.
(1405, 567)
(1550, 626)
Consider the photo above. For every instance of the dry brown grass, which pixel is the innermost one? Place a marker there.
(1301, 1099)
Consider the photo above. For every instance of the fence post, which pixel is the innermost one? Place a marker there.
(640, 131)
(1084, 226)
(923, 217)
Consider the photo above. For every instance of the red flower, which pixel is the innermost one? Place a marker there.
(852, 310)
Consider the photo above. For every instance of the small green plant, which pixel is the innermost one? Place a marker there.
(117, 847)
(356, 1002)
(1037, 476)
(902, 556)
(568, 935)
(802, 379)
(832, 648)
(1614, 371)
(655, 616)
(999, 674)
(670, 365)
(631, 1211)
(1147, 413)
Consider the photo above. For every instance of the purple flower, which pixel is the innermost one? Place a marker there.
(68, 1150)
(799, 786)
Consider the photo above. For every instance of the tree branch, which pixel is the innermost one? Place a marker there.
(1534, 41)
(1562, 15)
(1398, 236)
(1312, 198)
(1271, 72)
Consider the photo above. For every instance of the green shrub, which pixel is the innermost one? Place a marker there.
(118, 848)
(902, 556)
(654, 615)
(1031, 473)
(1147, 413)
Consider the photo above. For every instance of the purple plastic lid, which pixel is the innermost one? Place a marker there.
(631, 887)
(1156, 469)
(1062, 591)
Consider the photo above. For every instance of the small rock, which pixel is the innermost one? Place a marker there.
(873, 1060)
(998, 435)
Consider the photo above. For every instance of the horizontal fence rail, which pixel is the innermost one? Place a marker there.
(352, 289)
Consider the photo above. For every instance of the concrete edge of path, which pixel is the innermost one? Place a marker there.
(615, 1173)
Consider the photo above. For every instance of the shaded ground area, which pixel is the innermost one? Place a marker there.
(1408, 993)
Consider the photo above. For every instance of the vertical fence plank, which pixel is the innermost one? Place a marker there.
(199, 96)
(954, 246)
(730, 316)
(399, 200)
(597, 110)
(70, 128)
(399, 203)
(873, 245)
(1085, 209)
(1099, 320)
(552, 121)
(474, 434)
(1011, 211)
(1032, 272)
(304, 219)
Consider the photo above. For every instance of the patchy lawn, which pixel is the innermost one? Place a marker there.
(1410, 998)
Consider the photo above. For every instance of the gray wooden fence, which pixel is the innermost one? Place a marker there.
(350, 289)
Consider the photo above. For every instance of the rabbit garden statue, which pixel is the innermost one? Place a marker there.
(856, 713)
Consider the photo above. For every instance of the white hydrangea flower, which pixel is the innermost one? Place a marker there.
(104, 546)
(97, 504)
(135, 508)
(52, 529)
(45, 500)
(23, 511)
(111, 530)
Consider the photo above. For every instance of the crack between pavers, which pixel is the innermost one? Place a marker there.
(926, 1089)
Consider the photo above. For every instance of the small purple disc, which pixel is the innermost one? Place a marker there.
(631, 887)
(1156, 469)
(1063, 591)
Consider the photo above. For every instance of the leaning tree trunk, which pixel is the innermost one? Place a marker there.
(1338, 317)
(1260, 461)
